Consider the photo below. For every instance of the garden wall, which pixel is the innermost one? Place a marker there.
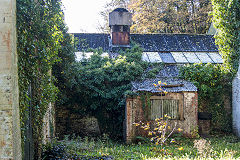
(68, 123)
(236, 103)
(49, 125)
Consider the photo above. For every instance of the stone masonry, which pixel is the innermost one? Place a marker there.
(10, 137)
(236, 103)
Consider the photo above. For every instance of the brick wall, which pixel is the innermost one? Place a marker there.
(10, 138)
(135, 113)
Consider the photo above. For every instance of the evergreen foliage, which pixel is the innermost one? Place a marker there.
(100, 84)
(214, 87)
(226, 18)
(40, 38)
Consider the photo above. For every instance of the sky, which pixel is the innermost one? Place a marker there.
(83, 15)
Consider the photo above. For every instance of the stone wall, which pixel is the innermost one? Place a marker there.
(135, 113)
(68, 123)
(236, 103)
(10, 137)
(49, 124)
(204, 127)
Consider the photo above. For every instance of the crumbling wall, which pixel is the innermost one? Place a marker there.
(68, 123)
(49, 124)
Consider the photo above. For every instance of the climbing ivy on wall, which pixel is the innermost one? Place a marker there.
(40, 35)
(214, 86)
(226, 18)
(214, 81)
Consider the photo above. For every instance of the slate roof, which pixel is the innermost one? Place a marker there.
(147, 85)
(152, 42)
(166, 48)
(169, 75)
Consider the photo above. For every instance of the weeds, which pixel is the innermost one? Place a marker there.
(88, 148)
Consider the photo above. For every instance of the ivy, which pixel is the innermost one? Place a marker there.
(146, 103)
(40, 34)
(214, 81)
(214, 85)
(226, 18)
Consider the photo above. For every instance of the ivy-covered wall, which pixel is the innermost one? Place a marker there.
(42, 37)
(214, 92)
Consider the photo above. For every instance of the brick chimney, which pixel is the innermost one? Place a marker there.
(120, 21)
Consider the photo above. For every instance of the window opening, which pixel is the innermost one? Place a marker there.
(161, 107)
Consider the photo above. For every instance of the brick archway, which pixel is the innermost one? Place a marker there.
(10, 136)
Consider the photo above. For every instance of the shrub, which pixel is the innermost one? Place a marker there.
(159, 130)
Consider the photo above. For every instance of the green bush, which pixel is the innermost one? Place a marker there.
(214, 85)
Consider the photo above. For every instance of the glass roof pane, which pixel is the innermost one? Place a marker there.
(179, 57)
(154, 57)
(145, 57)
(204, 58)
(216, 57)
(83, 55)
(191, 57)
(167, 57)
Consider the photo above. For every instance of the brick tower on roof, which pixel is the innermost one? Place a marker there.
(120, 21)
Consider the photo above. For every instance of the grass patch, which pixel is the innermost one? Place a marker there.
(217, 147)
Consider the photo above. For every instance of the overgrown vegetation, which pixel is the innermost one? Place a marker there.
(214, 88)
(41, 37)
(226, 18)
(214, 81)
(102, 84)
(222, 147)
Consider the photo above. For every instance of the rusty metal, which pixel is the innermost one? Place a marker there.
(120, 38)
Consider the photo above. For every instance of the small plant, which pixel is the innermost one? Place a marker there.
(194, 132)
(54, 151)
(159, 86)
(160, 130)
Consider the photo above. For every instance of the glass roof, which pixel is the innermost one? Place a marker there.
(168, 57)
(182, 57)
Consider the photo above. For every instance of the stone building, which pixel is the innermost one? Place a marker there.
(172, 51)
